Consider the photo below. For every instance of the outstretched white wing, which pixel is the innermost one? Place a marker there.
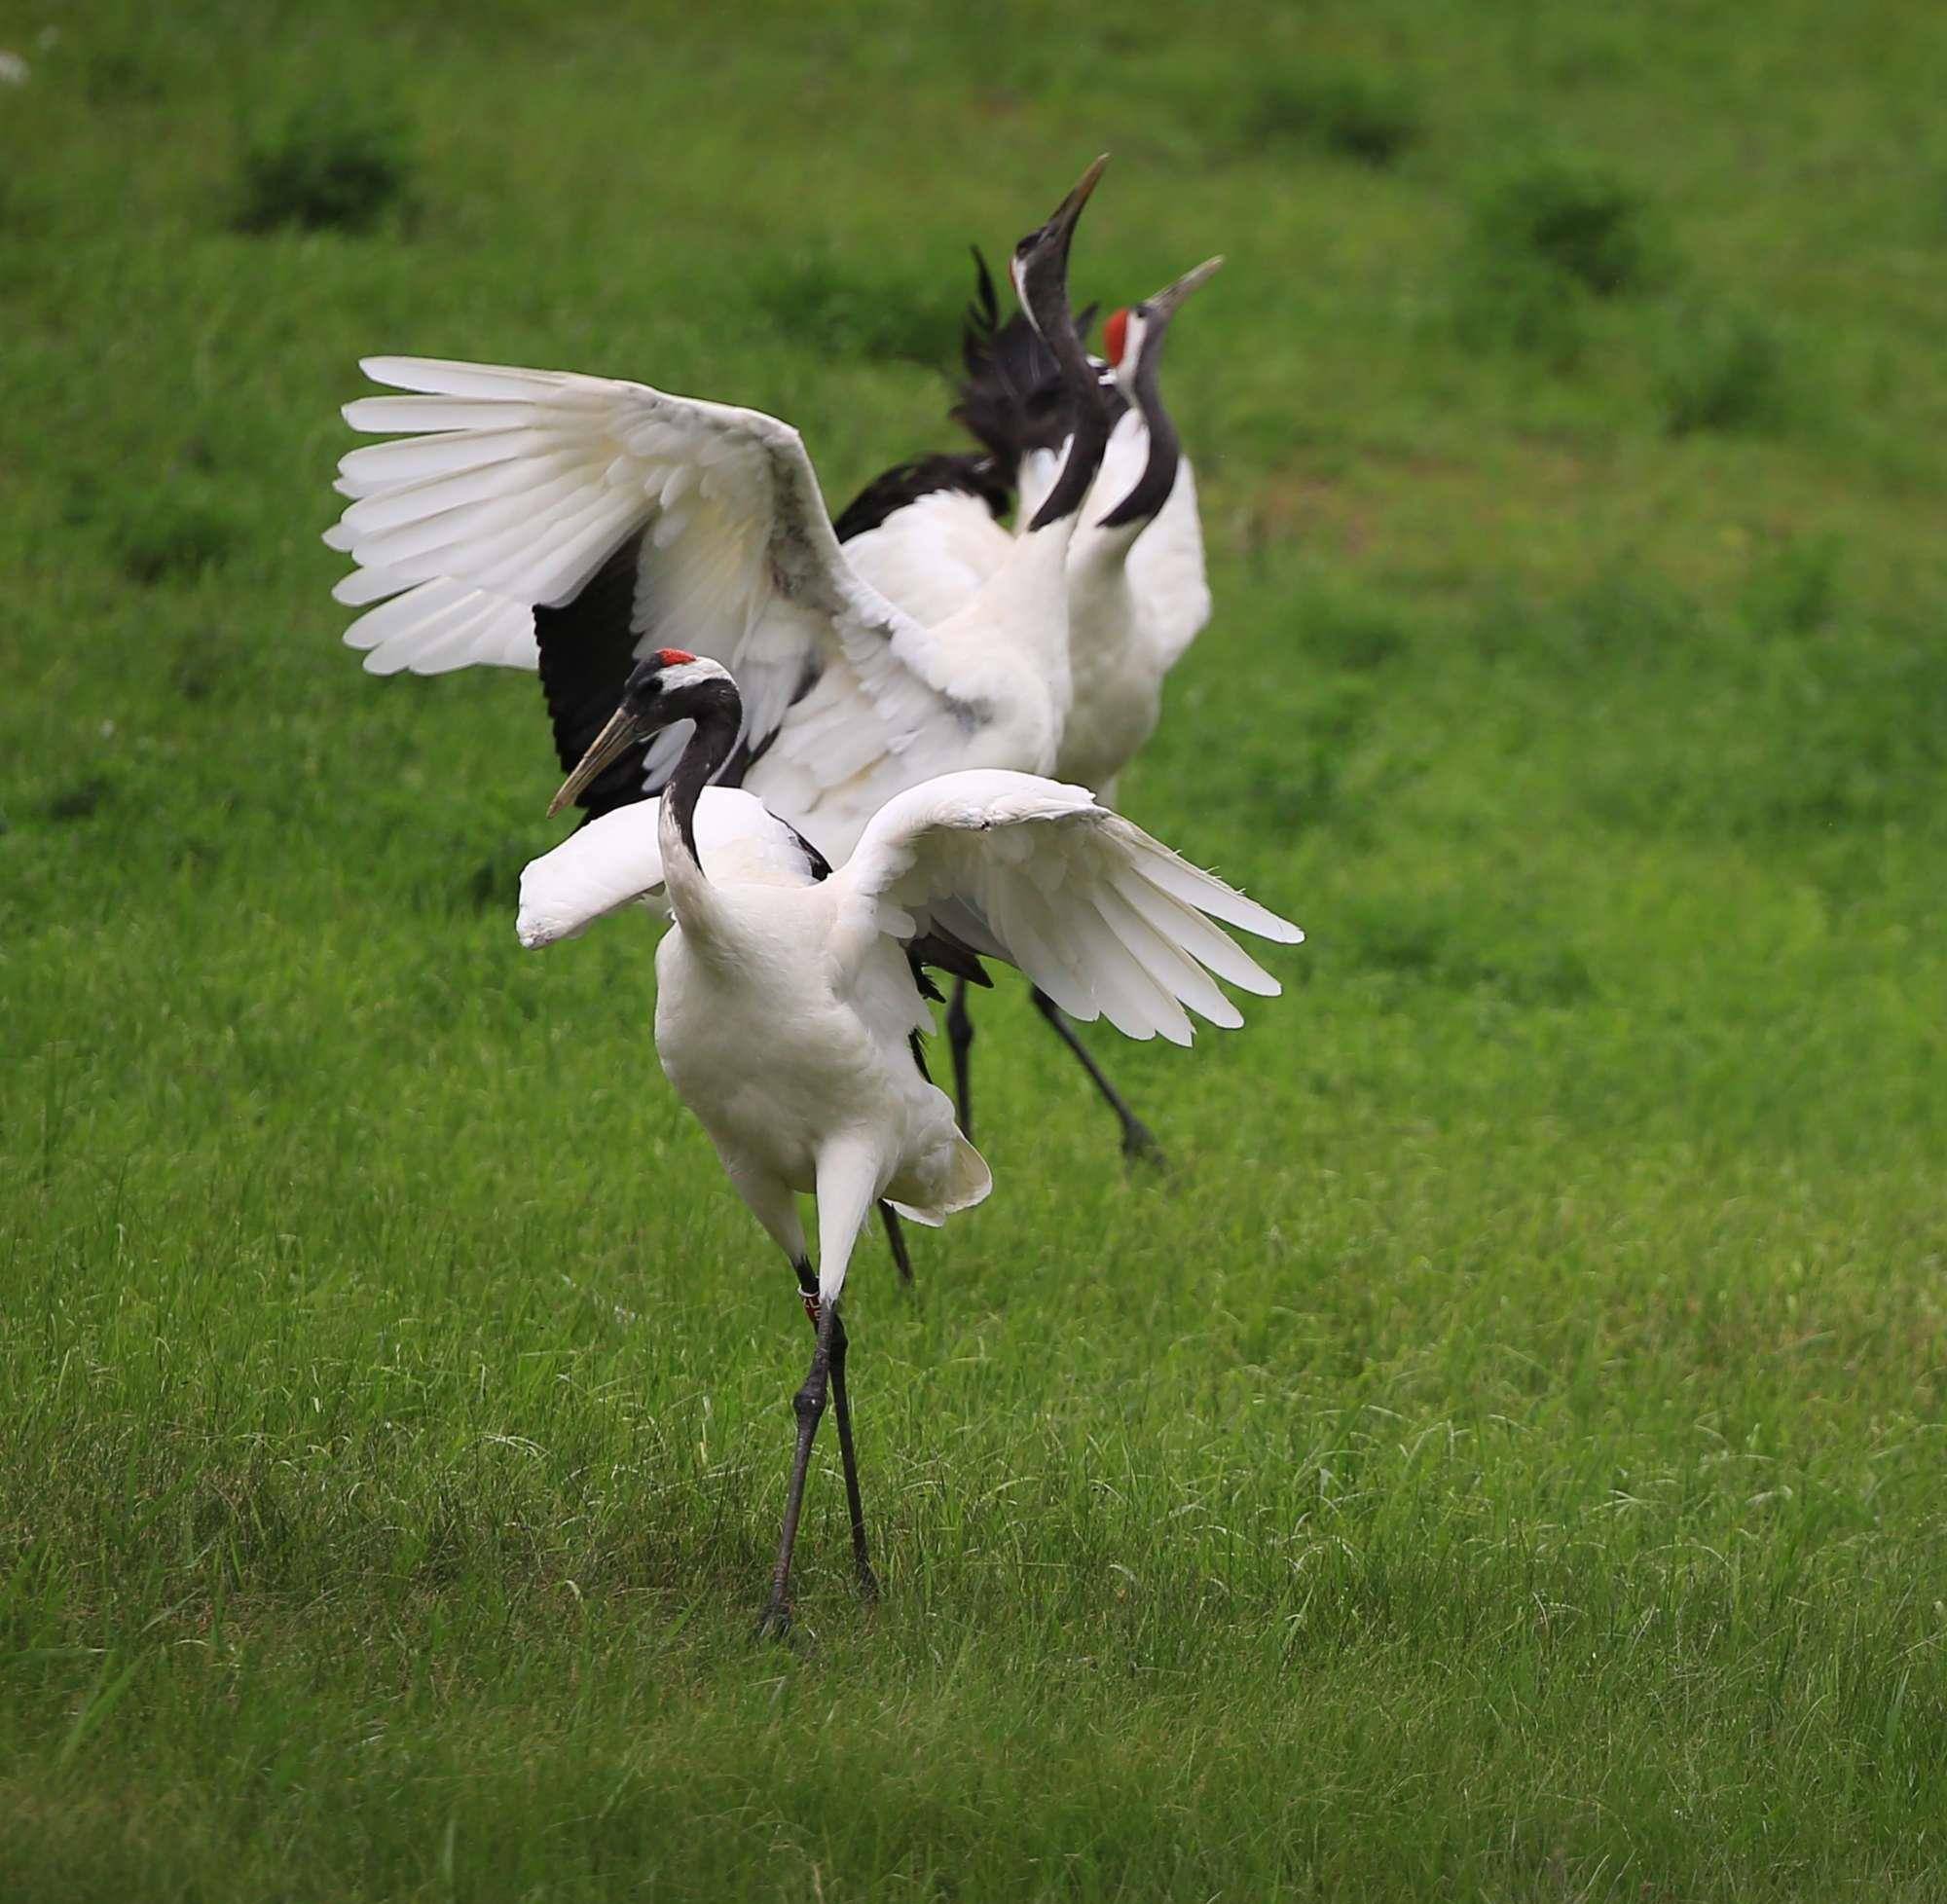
(506, 489)
(1107, 921)
(617, 859)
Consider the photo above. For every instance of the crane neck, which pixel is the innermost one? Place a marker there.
(718, 710)
(1089, 438)
(1144, 502)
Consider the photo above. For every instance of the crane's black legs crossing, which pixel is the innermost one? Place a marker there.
(1138, 1140)
(960, 1037)
(827, 1372)
(895, 1237)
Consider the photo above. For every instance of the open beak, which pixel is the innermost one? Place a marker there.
(1165, 301)
(623, 731)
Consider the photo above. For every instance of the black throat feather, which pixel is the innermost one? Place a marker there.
(1145, 501)
(718, 709)
(1090, 436)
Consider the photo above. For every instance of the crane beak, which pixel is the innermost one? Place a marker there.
(1165, 301)
(1068, 213)
(1039, 267)
(624, 729)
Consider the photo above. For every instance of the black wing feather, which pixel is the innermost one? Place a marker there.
(1010, 397)
(906, 482)
(1011, 401)
(587, 648)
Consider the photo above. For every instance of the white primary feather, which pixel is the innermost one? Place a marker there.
(1103, 918)
(508, 488)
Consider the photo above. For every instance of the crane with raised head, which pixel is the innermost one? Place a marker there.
(1137, 592)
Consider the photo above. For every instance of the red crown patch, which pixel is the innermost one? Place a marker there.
(1115, 335)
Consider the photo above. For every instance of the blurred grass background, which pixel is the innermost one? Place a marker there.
(1500, 1460)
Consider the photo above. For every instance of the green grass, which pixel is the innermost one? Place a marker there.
(1502, 1461)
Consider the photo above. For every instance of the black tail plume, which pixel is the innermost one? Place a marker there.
(1010, 398)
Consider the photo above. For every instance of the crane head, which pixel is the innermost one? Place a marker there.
(1039, 263)
(1134, 335)
(668, 685)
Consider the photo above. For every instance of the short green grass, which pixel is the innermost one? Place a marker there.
(1502, 1459)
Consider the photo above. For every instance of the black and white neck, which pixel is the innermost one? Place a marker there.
(1135, 340)
(1143, 387)
(670, 685)
(1040, 270)
(1089, 439)
(674, 687)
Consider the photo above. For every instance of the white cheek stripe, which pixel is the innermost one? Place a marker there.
(1133, 340)
(692, 674)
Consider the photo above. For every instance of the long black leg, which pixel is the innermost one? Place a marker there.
(841, 1409)
(1138, 1140)
(960, 1037)
(895, 1237)
(808, 1404)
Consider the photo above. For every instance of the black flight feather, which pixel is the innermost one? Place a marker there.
(906, 482)
(1010, 398)
(587, 648)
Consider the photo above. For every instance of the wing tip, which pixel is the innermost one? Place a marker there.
(385, 367)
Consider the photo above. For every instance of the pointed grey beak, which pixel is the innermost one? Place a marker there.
(1069, 211)
(624, 729)
(1040, 271)
(1165, 301)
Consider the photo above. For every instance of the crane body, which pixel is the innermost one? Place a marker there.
(787, 996)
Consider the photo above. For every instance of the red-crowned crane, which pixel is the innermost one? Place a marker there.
(1137, 594)
(786, 994)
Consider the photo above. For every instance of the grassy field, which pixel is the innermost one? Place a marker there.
(1502, 1459)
